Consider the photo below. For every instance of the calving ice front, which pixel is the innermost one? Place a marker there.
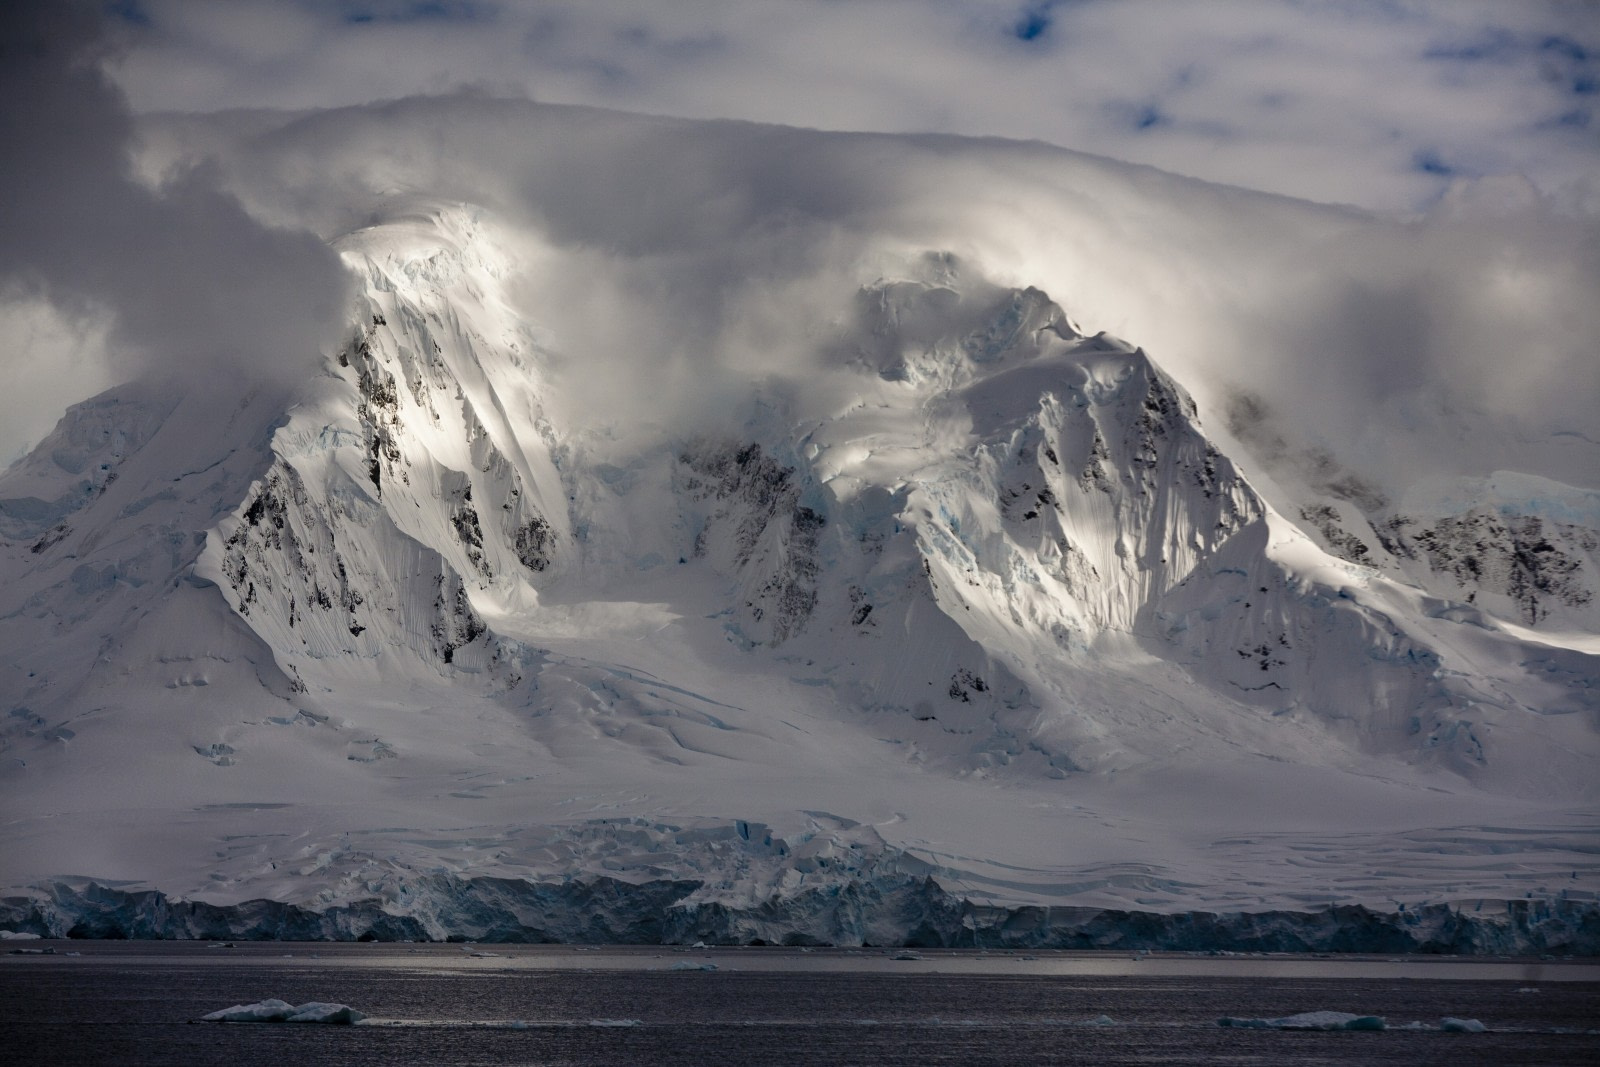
(716, 531)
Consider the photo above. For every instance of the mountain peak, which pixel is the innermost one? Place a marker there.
(938, 538)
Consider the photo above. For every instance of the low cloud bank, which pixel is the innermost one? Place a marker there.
(680, 267)
(685, 271)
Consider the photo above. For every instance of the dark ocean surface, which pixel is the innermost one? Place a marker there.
(135, 1003)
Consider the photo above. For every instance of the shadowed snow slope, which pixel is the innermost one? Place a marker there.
(908, 606)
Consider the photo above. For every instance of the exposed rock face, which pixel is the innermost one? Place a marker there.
(1536, 565)
(757, 521)
(327, 562)
(1326, 521)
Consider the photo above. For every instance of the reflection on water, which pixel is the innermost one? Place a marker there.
(133, 1003)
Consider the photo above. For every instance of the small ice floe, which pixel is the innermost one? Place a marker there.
(17, 935)
(905, 956)
(1100, 1020)
(1528, 989)
(1448, 1025)
(613, 1022)
(1462, 1026)
(1311, 1020)
(279, 1011)
(690, 965)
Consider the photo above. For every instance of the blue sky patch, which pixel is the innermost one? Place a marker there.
(1562, 60)
(1148, 116)
(1492, 45)
(415, 11)
(1034, 22)
(1429, 161)
(127, 11)
(1567, 48)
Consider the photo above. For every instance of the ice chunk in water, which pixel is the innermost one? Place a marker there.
(1462, 1026)
(318, 1012)
(273, 1010)
(1311, 1020)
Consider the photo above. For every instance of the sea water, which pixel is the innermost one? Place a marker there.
(138, 1003)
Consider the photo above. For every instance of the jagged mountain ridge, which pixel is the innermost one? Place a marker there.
(1013, 556)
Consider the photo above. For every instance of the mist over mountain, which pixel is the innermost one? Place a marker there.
(708, 529)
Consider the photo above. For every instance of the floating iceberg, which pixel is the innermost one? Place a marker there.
(1462, 1026)
(279, 1011)
(1311, 1020)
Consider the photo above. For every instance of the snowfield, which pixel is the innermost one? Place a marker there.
(911, 610)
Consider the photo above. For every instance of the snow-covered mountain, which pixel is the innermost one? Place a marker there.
(957, 627)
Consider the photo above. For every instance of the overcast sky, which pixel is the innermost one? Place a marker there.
(1483, 110)
(1373, 102)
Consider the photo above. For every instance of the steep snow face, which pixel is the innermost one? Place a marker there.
(966, 567)
(103, 524)
(401, 492)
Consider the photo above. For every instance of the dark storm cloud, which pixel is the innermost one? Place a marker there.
(660, 250)
(185, 279)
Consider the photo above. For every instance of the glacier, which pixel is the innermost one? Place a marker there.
(947, 622)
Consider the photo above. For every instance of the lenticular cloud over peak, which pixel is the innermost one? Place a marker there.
(661, 529)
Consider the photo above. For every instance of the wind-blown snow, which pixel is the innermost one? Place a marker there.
(933, 606)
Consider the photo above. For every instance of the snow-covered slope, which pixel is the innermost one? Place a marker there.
(964, 607)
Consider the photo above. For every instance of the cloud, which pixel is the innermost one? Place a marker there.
(664, 254)
(684, 268)
(50, 361)
(1378, 103)
(179, 280)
